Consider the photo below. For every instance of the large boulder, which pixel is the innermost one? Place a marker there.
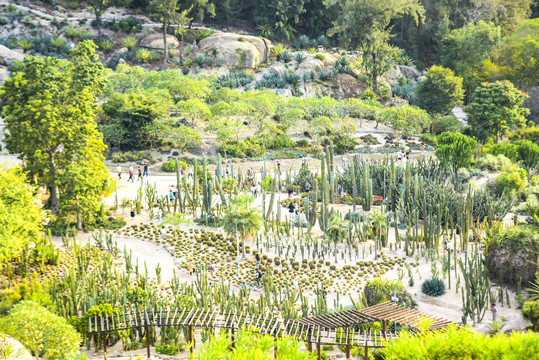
(409, 71)
(392, 76)
(513, 255)
(7, 56)
(238, 51)
(155, 42)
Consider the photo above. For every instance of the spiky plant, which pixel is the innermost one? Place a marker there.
(57, 43)
(433, 287)
(129, 42)
(143, 54)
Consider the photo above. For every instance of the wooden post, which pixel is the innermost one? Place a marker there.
(147, 328)
(366, 353)
(318, 351)
(104, 345)
(385, 329)
(309, 343)
(275, 347)
(191, 339)
(348, 343)
(232, 338)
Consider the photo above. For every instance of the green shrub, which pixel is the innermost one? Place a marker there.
(368, 95)
(506, 149)
(267, 183)
(511, 181)
(530, 311)
(433, 287)
(429, 139)
(491, 162)
(248, 148)
(380, 290)
(528, 153)
(166, 349)
(442, 124)
(170, 165)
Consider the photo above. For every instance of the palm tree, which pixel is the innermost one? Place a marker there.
(376, 219)
(336, 229)
(242, 218)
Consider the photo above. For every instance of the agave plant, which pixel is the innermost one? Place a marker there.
(312, 50)
(72, 32)
(265, 30)
(301, 42)
(143, 54)
(200, 59)
(25, 44)
(106, 45)
(299, 57)
(286, 56)
(57, 43)
(129, 42)
(278, 50)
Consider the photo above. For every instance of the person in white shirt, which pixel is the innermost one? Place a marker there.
(119, 171)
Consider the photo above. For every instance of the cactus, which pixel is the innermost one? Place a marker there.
(475, 294)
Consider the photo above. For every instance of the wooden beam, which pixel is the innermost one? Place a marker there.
(147, 328)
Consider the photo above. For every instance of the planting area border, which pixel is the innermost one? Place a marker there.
(341, 328)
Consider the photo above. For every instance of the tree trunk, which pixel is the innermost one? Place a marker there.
(374, 73)
(165, 43)
(243, 248)
(79, 216)
(53, 189)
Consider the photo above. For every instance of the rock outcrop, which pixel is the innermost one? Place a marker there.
(532, 103)
(235, 50)
(7, 56)
(155, 42)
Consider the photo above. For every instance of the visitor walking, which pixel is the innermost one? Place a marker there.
(307, 187)
(190, 267)
(257, 257)
(253, 190)
(291, 209)
(278, 167)
(226, 172)
(119, 171)
(131, 177)
(494, 311)
(145, 173)
(171, 196)
(132, 213)
(181, 170)
(339, 190)
(190, 171)
(290, 192)
(159, 215)
(139, 174)
(258, 189)
(258, 277)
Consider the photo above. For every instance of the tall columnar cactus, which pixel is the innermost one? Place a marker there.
(206, 201)
(354, 185)
(475, 294)
(272, 199)
(218, 170)
(366, 188)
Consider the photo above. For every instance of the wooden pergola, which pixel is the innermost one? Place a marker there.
(340, 328)
(346, 328)
(390, 312)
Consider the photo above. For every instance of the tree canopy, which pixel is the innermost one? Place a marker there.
(440, 91)
(50, 115)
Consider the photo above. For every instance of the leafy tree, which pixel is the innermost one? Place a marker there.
(134, 120)
(369, 22)
(42, 331)
(194, 110)
(465, 49)
(49, 113)
(100, 6)
(494, 108)
(183, 137)
(20, 215)
(167, 12)
(455, 151)
(516, 59)
(405, 119)
(199, 9)
(282, 16)
(337, 229)
(440, 91)
(243, 218)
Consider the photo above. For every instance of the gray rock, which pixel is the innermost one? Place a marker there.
(410, 72)
(234, 50)
(393, 75)
(7, 56)
(277, 69)
(155, 42)
(532, 103)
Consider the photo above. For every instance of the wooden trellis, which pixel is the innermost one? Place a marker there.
(391, 312)
(332, 329)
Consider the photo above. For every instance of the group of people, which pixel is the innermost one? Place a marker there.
(403, 155)
(131, 172)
